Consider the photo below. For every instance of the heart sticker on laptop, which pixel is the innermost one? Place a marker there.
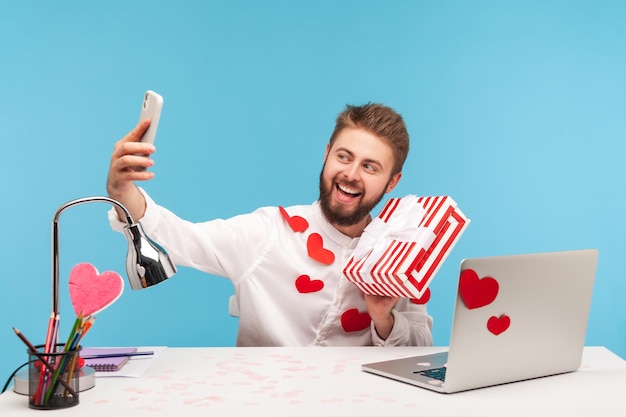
(477, 292)
(91, 292)
(498, 325)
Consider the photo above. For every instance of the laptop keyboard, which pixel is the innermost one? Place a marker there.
(434, 373)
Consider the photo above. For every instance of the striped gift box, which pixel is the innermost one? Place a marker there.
(411, 238)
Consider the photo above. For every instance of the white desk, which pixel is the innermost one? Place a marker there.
(329, 382)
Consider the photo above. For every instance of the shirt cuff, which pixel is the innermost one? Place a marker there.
(397, 337)
(149, 221)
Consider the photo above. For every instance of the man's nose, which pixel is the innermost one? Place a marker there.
(352, 172)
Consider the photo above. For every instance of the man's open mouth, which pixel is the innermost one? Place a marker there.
(346, 191)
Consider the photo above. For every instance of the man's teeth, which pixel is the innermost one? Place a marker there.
(347, 190)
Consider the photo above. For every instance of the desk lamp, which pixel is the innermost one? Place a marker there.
(147, 263)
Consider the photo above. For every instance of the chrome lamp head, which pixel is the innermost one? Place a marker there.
(147, 263)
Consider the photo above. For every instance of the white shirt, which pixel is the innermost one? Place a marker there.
(285, 296)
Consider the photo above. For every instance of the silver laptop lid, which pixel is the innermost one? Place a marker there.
(519, 317)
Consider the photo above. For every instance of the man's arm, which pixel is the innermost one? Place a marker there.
(128, 154)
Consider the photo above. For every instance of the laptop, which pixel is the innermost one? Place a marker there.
(516, 317)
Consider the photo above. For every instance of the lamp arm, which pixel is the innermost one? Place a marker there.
(79, 201)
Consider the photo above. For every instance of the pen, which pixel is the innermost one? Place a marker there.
(34, 351)
(118, 355)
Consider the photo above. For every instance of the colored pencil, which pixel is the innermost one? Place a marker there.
(60, 367)
(39, 356)
(47, 348)
(77, 323)
(71, 371)
(88, 325)
(48, 376)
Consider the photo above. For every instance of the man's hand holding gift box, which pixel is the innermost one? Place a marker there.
(402, 249)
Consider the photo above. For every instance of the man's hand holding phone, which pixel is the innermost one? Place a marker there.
(131, 158)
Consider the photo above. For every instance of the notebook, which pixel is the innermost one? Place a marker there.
(516, 317)
(106, 359)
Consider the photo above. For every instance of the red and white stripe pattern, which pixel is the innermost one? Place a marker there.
(405, 269)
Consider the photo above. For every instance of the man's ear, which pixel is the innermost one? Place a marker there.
(393, 182)
(326, 152)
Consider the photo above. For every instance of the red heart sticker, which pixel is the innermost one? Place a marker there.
(477, 292)
(91, 292)
(498, 325)
(423, 299)
(316, 250)
(297, 223)
(354, 321)
(305, 284)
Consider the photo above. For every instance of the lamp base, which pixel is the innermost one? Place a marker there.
(87, 380)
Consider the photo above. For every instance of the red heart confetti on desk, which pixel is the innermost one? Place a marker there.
(315, 249)
(354, 321)
(498, 325)
(305, 284)
(297, 223)
(477, 292)
(91, 292)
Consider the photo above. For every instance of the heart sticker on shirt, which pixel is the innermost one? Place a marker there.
(497, 325)
(91, 292)
(423, 299)
(297, 223)
(477, 292)
(316, 250)
(305, 284)
(354, 321)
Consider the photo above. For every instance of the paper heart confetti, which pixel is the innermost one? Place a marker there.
(477, 292)
(354, 321)
(315, 249)
(305, 284)
(423, 299)
(91, 292)
(498, 325)
(297, 223)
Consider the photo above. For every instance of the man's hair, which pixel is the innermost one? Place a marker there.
(381, 121)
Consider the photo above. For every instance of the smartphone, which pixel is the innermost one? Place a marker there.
(151, 109)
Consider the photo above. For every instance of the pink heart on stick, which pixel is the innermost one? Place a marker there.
(91, 292)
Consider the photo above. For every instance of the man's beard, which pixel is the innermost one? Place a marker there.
(338, 216)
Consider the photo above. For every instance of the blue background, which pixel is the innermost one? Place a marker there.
(515, 109)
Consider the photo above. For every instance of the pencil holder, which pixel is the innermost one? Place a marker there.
(53, 378)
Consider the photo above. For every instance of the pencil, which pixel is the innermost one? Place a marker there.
(71, 372)
(60, 367)
(45, 363)
(86, 326)
(55, 333)
(48, 376)
(78, 322)
(47, 349)
(48, 341)
(49, 346)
